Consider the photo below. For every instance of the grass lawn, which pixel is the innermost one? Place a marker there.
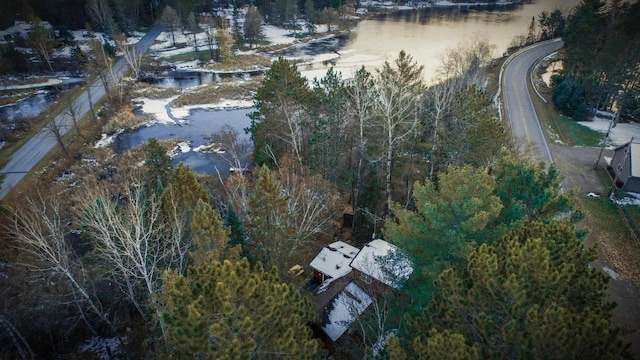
(572, 133)
(562, 127)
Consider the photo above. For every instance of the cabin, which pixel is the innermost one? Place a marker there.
(383, 262)
(625, 164)
(344, 271)
(333, 261)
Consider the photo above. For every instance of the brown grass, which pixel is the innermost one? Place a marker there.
(153, 92)
(231, 89)
(242, 63)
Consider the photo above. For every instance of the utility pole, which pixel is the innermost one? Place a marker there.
(619, 168)
(604, 142)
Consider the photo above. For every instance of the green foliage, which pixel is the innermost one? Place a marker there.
(446, 224)
(583, 35)
(328, 118)
(210, 237)
(474, 133)
(275, 125)
(529, 295)
(237, 235)
(228, 311)
(270, 222)
(183, 190)
(551, 24)
(443, 345)
(530, 191)
(158, 168)
(569, 97)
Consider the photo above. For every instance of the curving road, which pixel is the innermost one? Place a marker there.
(38, 146)
(525, 127)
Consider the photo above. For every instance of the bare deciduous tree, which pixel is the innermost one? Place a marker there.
(74, 110)
(171, 21)
(101, 15)
(133, 237)
(397, 92)
(39, 230)
(41, 40)
(236, 150)
(57, 129)
(131, 54)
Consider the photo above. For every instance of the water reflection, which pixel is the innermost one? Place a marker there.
(27, 108)
(181, 79)
(199, 126)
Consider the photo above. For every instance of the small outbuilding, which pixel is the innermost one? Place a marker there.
(333, 261)
(625, 165)
(383, 262)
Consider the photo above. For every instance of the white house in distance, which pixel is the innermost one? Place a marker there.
(340, 266)
(626, 165)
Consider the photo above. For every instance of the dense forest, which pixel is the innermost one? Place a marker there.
(602, 57)
(153, 260)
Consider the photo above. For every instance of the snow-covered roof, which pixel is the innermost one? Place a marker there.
(345, 309)
(384, 262)
(333, 260)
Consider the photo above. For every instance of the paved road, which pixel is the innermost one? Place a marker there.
(37, 147)
(525, 126)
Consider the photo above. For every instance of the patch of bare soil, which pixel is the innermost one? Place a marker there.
(576, 165)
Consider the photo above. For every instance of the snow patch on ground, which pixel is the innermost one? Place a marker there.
(103, 348)
(223, 104)
(107, 140)
(619, 135)
(631, 199)
(158, 109)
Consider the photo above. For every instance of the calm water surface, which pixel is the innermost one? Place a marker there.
(199, 126)
(426, 34)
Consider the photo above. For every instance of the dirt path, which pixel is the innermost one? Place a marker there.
(576, 165)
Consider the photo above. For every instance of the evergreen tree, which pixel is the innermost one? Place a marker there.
(530, 295)
(276, 125)
(327, 127)
(447, 222)
(270, 224)
(158, 168)
(530, 191)
(474, 132)
(210, 237)
(253, 26)
(237, 235)
(228, 311)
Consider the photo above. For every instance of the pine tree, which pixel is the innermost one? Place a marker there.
(276, 125)
(474, 134)
(529, 295)
(445, 225)
(225, 310)
(529, 191)
(158, 168)
(210, 237)
(270, 224)
(237, 235)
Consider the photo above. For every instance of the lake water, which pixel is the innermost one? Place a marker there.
(424, 34)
